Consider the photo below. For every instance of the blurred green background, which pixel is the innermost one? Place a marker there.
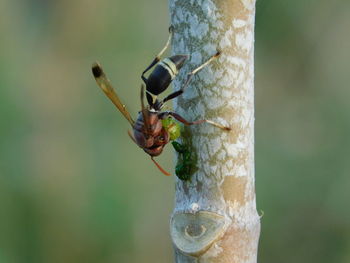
(74, 188)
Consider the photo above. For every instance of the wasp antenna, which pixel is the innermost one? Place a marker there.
(160, 167)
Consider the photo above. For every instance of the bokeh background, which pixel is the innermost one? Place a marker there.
(74, 188)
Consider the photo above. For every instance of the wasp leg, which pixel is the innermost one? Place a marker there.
(132, 137)
(182, 120)
(160, 167)
(154, 161)
(189, 77)
(157, 58)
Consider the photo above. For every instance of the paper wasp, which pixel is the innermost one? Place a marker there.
(154, 128)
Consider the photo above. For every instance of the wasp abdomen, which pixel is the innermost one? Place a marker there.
(165, 71)
(159, 80)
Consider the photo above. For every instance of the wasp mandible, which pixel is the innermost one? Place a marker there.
(154, 128)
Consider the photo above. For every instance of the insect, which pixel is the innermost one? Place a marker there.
(185, 162)
(154, 128)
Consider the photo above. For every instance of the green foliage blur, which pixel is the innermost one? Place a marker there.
(74, 188)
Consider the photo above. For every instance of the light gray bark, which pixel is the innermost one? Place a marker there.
(215, 217)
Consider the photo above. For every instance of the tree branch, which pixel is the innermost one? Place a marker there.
(215, 218)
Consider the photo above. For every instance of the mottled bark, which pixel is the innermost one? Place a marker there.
(215, 217)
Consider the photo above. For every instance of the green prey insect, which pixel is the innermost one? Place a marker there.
(185, 165)
(186, 162)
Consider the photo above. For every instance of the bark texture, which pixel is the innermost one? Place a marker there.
(222, 187)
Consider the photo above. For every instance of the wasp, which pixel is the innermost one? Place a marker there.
(154, 128)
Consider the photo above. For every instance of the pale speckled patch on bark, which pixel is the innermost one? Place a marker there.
(222, 92)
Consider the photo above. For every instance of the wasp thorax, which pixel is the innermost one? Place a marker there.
(165, 71)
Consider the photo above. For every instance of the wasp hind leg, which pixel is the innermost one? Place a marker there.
(157, 58)
(189, 77)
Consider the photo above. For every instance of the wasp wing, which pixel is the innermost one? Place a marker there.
(104, 83)
(144, 111)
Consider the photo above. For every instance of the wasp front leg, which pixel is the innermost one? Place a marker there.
(188, 123)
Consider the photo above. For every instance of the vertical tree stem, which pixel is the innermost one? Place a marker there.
(215, 217)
